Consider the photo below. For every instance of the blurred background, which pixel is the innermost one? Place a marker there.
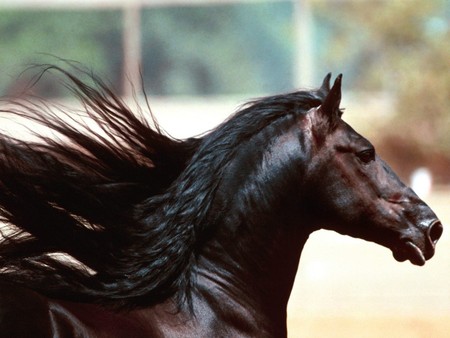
(201, 59)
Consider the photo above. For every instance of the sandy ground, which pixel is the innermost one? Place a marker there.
(350, 288)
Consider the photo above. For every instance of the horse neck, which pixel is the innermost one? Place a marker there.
(249, 282)
(248, 265)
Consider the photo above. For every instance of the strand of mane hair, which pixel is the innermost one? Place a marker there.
(77, 194)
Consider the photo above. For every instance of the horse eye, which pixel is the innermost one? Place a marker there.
(367, 155)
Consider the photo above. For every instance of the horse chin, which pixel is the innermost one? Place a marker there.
(410, 251)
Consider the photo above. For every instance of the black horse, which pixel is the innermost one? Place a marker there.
(121, 231)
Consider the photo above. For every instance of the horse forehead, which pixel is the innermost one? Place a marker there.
(347, 135)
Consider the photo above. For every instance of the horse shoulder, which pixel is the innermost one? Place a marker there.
(25, 313)
(91, 320)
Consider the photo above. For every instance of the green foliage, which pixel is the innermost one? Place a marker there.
(33, 37)
(186, 50)
(218, 49)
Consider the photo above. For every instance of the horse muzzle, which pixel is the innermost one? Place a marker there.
(418, 252)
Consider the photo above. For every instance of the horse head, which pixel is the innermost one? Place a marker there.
(356, 193)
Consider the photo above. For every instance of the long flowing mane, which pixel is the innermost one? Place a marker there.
(128, 203)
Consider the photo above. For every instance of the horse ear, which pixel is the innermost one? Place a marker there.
(325, 87)
(330, 106)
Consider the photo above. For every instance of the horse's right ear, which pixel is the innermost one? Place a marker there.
(325, 87)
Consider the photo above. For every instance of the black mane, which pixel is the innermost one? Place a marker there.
(127, 201)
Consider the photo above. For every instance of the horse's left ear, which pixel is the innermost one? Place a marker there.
(325, 87)
(330, 106)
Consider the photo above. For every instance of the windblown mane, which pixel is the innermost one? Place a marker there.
(126, 201)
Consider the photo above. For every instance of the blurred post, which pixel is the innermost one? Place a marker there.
(422, 182)
(131, 47)
(303, 55)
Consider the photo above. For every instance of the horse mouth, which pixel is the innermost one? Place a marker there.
(410, 251)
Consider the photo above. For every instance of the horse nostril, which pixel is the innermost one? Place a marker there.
(435, 231)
